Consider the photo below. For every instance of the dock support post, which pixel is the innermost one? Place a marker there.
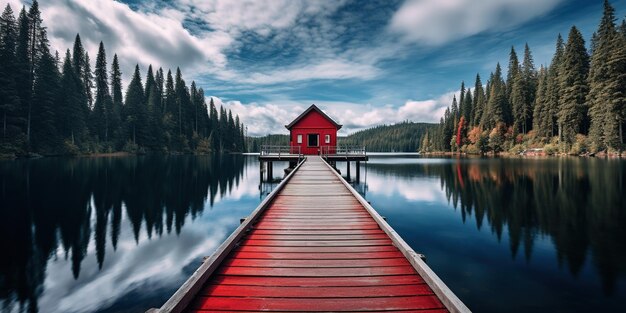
(348, 170)
(358, 171)
(261, 166)
(270, 169)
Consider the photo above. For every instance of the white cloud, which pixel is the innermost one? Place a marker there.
(156, 35)
(270, 118)
(137, 37)
(263, 119)
(259, 16)
(326, 69)
(435, 22)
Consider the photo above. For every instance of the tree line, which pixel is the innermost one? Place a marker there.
(576, 104)
(53, 105)
(401, 137)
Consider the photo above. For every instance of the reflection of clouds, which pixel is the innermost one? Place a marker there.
(410, 188)
(248, 186)
(158, 262)
(152, 264)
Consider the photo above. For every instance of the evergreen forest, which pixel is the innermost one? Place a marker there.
(53, 103)
(400, 137)
(575, 105)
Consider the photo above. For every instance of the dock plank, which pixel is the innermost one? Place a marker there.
(315, 305)
(316, 249)
(222, 290)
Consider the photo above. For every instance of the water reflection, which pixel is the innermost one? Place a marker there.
(122, 234)
(58, 213)
(571, 210)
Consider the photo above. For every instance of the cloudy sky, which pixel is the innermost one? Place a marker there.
(363, 62)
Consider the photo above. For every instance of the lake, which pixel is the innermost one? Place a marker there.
(122, 234)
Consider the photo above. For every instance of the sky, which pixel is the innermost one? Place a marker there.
(365, 63)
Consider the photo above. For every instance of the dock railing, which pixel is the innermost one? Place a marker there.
(343, 151)
(276, 150)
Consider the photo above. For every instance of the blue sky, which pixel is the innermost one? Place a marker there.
(363, 62)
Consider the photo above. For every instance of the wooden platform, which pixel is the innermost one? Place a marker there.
(315, 246)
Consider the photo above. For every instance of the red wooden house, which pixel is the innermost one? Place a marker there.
(312, 131)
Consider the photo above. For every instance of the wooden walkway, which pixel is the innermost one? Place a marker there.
(317, 247)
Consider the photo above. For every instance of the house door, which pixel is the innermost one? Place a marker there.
(313, 140)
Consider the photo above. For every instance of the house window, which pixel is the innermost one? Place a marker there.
(313, 140)
(327, 139)
(299, 139)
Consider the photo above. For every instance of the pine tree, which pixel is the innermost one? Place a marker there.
(574, 87)
(467, 107)
(213, 125)
(115, 110)
(454, 113)
(231, 132)
(70, 117)
(183, 115)
(541, 118)
(87, 78)
(222, 133)
(529, 78)
(449, 126)
(553, 86)
(159, 82)
(462, 99)
(204, 114)
(45, 90)
(603, 126)
(518, 101)
(239, 135)
(100, 122)
(36, 36)
(196, 103)
(479, 101)
(79, 65)
(616, 117)
(496, 104)
(78, 56)
(514, 71)
(150, 80)
(153, 105)
(133, 112)
(9, 99)
(22, 68)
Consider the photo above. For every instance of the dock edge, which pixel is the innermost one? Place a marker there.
(447, 297)
(183, 296)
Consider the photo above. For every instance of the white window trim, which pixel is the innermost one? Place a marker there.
(299, 138)
(327, 139)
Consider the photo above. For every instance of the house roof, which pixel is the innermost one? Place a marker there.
(311, 108)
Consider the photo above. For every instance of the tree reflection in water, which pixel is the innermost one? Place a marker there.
(578, 203)
(54, 203)
(75, 208)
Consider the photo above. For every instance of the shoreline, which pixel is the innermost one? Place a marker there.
(103, 155)
(602, 155)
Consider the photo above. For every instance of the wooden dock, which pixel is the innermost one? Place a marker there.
(314, 245)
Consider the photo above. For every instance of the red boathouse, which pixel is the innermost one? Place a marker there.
(312, 130)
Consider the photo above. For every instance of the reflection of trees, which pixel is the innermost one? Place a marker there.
(578, 203)
(50, 204)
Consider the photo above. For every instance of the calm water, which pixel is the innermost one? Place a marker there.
(122, 234)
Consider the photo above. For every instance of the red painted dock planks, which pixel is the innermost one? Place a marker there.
(316, 249)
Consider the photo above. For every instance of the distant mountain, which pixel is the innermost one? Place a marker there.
(401, 137)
